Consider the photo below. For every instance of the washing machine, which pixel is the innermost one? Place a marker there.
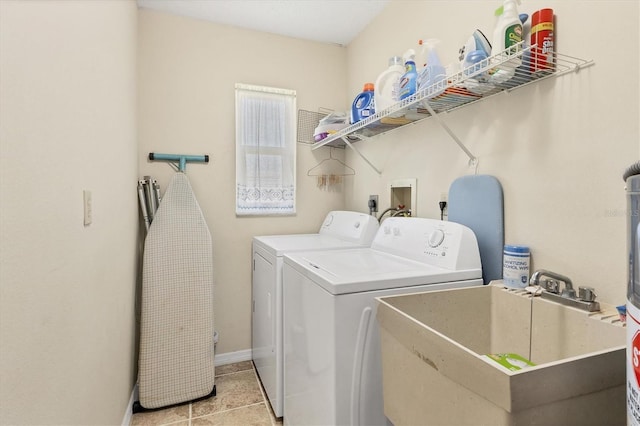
(332, 356)
(340, 229)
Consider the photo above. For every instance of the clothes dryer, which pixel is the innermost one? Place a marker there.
(340, 229)
(332, 358)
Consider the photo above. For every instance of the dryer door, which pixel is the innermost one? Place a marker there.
(264, 321)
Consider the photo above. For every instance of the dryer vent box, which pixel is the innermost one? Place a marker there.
(403, 192)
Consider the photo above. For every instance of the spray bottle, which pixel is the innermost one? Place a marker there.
(432, 71)
(421, 55)
(507, 35)
(508, 32)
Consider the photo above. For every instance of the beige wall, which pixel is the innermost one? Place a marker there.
(187, 72)
(558, 147)
(67, 123)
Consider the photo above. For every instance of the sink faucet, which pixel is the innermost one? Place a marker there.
(586, 297)
(552, 285)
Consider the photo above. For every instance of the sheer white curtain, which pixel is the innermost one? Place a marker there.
(265, 150)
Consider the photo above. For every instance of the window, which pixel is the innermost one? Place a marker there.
(265, 150)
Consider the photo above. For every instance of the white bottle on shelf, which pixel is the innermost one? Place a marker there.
(387, 87)
(508, 33)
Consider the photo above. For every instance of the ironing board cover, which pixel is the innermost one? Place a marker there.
(176, 332)
(477, 201)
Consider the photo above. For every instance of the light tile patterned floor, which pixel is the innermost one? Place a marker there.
(239, 400)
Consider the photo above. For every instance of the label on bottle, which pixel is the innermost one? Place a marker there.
(363, 107)
(633, 365)
(408, 82)
(542, 26)
(512, 36)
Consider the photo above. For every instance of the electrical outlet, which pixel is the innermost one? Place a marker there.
(443, 196)
(373, 203)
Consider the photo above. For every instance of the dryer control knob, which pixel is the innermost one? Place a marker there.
(356, 225)
(436, 238)
(328, 220)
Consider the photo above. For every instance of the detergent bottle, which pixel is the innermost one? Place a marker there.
(364, 104)
(432, 71)
(387, 84)
(409, 80)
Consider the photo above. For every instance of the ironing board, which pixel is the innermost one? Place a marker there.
(176, 363)
(476, 201)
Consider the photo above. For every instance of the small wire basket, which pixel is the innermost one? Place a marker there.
(307, 123)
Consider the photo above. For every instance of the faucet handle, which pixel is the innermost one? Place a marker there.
(588, 294)
(551, 285)
(568, 292)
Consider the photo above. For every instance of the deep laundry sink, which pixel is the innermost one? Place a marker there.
(435, 368)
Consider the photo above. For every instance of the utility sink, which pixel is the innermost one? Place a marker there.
(436, 372)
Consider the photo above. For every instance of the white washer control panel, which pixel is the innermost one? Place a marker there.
(448, 245)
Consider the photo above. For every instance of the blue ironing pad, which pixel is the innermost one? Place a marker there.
(477, 202)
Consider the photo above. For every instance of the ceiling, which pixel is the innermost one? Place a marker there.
(328, 21)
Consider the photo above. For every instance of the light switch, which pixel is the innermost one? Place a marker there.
(87, 207)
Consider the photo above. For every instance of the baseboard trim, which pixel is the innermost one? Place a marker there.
(128, 415)
(219, 359)
(231, 357)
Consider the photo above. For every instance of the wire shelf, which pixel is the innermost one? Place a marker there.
(493, 75)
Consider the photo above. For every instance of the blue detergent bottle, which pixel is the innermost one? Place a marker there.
(363, 105)
(409, 81)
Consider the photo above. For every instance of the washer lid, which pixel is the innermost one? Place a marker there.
(365, 269)
(277, 245)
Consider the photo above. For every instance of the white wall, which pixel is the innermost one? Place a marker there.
(67, 123)
(558, 147)
(187, 72)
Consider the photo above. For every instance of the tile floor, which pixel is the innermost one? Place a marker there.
(239, 400)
